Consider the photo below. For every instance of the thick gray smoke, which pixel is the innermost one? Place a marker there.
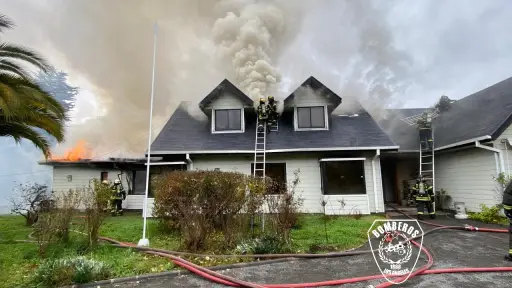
(246, 39)
(265, 47)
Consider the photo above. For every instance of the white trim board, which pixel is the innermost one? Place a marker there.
(167, 163)
(470, 141)
(276, 150)
(341, 159)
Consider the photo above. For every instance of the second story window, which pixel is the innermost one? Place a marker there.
(311, 117)
(227, 120)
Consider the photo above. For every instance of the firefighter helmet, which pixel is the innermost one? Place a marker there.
(262, 100)
(105, 182)
(117, 182)
(270, 98)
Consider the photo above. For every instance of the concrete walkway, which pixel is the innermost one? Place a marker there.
(449, 248)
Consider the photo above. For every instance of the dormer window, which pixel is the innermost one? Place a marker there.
(228, 121)
(311, 118)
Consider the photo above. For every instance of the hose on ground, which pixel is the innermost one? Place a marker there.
(230, 281)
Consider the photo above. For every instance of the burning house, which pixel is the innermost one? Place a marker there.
(350, 162)
(76, 168)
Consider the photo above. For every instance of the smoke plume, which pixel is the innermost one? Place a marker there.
(265, 47)
(246, 39)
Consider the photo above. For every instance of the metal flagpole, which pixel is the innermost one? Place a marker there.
(144, 241)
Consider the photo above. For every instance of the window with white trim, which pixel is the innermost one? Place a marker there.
(226, 120)
(311, 117)
(343, 177)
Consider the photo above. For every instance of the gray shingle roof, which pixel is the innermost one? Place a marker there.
(484, 113)
(183, 133)
(487, 112)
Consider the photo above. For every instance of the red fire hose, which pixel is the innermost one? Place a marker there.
(226, 280)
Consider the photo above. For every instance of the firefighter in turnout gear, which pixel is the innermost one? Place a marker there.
(272, 111)
(424, 198)
(507, 208)
(262, 114)
(426, 134)
(116, 198)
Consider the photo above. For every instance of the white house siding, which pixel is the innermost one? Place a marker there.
(303, 97)
(309, 187)
(81, 177)
(506, 150)
(467, 176)
(226, 101)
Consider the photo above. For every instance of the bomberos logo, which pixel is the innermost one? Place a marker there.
(395, 255)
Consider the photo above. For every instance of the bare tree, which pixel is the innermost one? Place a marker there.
(27, 200)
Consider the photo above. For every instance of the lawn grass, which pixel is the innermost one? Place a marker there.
(340, 232)
(18, 260)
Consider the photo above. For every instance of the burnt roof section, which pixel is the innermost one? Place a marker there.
(223, 87)
(318, 86)
(403, 134)
(111, 160)
(183, 133)
(486, 112)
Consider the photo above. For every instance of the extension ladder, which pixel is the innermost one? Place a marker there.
(427, 162)
(260, 144)
(260, 149)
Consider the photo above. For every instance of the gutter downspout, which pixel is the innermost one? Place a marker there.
(499, 163)
(191, 164)
(506, 141)
(374, 174)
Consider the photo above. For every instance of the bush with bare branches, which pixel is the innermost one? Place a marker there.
(27, 200)
(95, 202)
(284, 206)
(55, 222)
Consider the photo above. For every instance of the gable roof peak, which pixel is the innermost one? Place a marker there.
(317, 86)
(224, 86)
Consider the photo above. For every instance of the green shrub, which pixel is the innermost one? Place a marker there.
(267, 244)
(60, 272)
(199, 203)
(488, 214)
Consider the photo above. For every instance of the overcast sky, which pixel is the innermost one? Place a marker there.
(457, 47)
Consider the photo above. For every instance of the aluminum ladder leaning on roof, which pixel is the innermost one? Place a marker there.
(427, 154)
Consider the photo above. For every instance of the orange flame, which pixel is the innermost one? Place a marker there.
(78, 152)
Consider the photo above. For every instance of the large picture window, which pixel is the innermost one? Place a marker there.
(311, 117)
(277, 172)
(228, 120)
(343, 177)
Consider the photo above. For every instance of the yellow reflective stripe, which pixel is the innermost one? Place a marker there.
(507, 207)
(420, 213)
(510, 251)
(432, 213)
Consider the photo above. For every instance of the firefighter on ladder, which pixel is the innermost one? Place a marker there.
(262, 114)
(424, 198)
(272, 111)
(116, 198)
(426, 133)
(507, 208)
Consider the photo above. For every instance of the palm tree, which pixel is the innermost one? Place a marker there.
(25, 109)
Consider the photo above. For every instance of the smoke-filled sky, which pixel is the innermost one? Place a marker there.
(397, 53)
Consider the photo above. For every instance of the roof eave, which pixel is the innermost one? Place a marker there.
(298, 150)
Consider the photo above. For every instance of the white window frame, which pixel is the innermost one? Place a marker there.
(366, 194)
(242, 122)
(296, 118)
